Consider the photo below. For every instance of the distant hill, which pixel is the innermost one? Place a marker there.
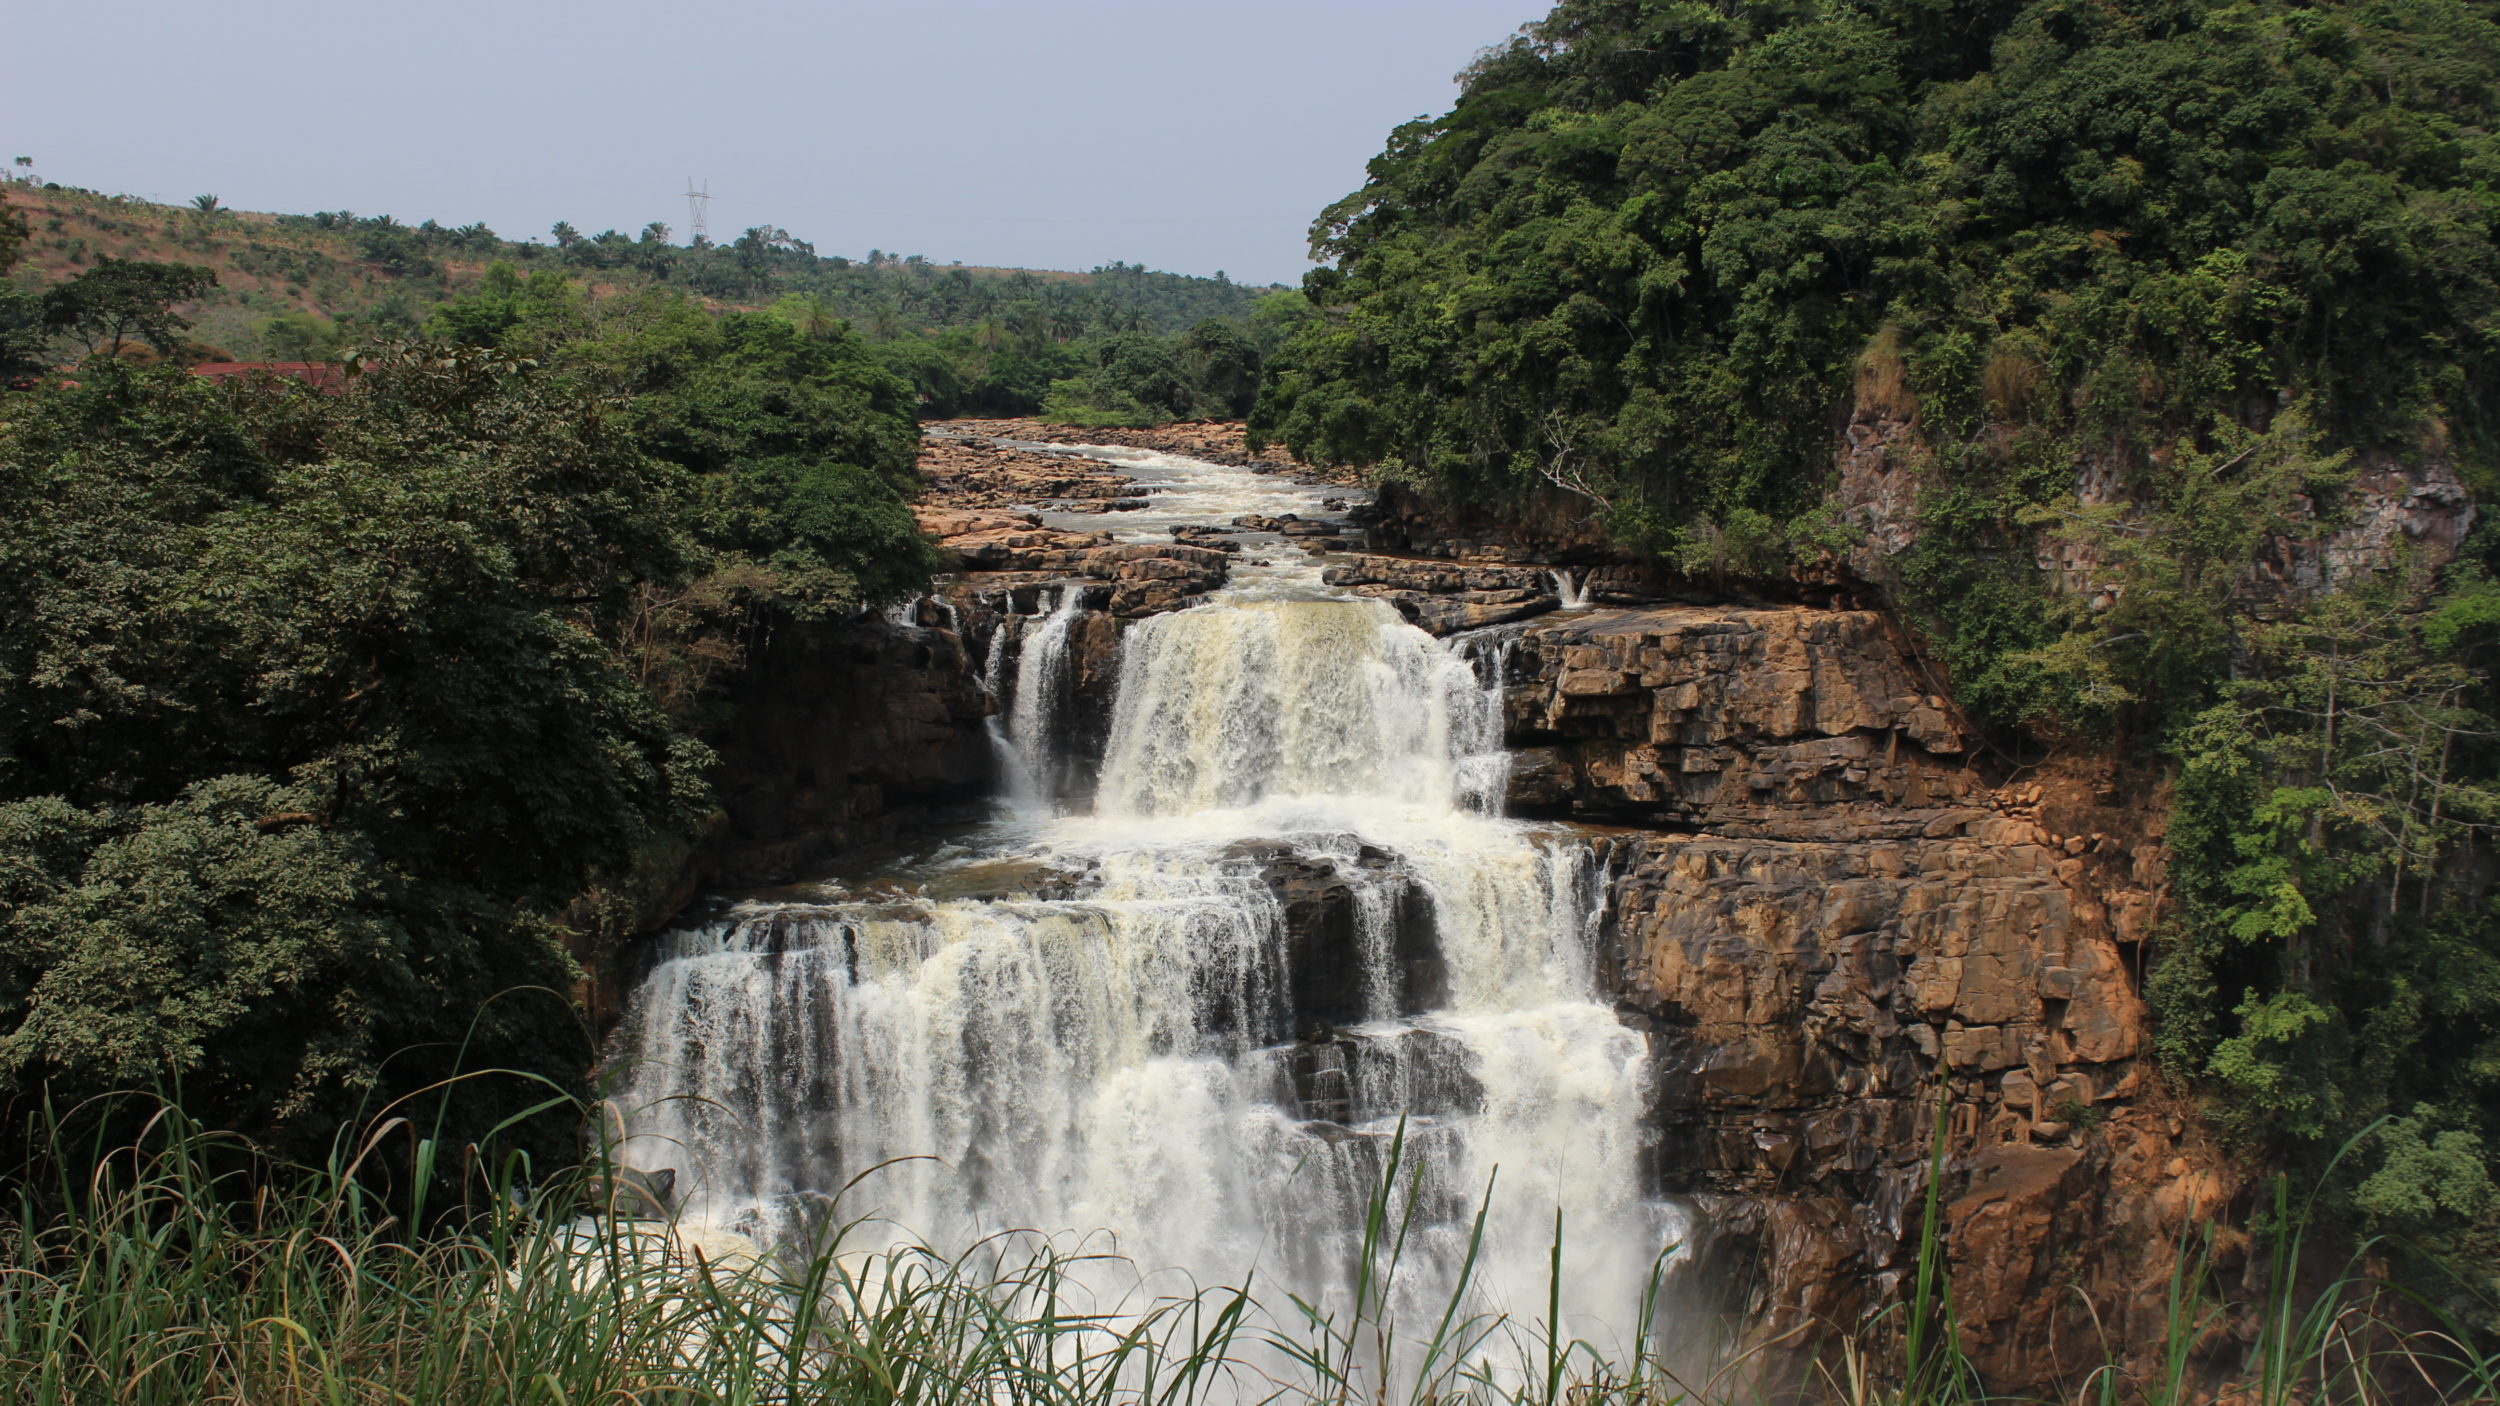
(290, 285)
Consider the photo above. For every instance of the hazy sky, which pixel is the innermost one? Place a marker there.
(1184, 134)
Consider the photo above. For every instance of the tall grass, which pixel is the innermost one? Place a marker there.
(182, 1267)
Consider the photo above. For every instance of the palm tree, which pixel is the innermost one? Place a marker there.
(207, 205)
(988, 337)
(1029, 323)
(815, 315)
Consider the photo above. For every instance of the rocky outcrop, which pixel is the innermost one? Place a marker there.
(1856, 926)
(2395, 517)
(2398, 514)
(1010, 549)
(1542, 528)
(962, 471)
(1780, 722)
(840, 734)
(1448, 597)
(1216, 441)
(1843, 928)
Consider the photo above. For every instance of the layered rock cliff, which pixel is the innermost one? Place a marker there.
(1832, 917)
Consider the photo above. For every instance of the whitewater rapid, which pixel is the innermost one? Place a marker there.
(1117, 1049)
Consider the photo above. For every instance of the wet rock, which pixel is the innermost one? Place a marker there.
(1473, 610)
(1370, 1076)
(1538, 783)
(1325, 951)
(839, 733)
(1435, 577)
(1778, 722)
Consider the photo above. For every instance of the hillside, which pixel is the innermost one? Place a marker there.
(301, 285)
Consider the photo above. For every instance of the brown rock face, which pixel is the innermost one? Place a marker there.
(840, 734)
(1858, 924)
(1217, 441)
(1832, 920)
(962, 472)
(2398, 514)
(1754, 721)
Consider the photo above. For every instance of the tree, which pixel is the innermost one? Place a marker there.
(812, 313)
(311, 716)
(1223, 368)
(207, 206)
(22, 333)
(14, 234)
(124, 299)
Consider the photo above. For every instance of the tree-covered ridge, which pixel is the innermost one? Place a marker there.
(1647, 251)
(2133, 286)
(293, 287)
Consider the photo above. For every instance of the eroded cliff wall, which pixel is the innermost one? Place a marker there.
(1833, 915)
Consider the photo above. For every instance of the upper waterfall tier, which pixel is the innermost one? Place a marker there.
(1228, 706)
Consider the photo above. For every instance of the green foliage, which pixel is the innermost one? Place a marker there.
(2129, 291)
(121, 300)
(311, 711)
(1138, 379)
(302, 336)
(2333, 956)
(315, 710)
(801, 442)
(1221, 366)
(14, 232)
(1646, 256)
(22, 333)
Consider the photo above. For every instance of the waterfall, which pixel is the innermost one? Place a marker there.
(1220, 709)
(1574, 595)
(1293, 925)
(1041, 666)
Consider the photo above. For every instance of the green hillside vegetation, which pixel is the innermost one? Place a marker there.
(975, 341)
(1658, 254)
(323, 713)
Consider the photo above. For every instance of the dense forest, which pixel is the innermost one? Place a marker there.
(329, 717)
(2149, 284)
(1119, 345)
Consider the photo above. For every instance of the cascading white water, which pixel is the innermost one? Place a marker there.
(1574, 595)
(1033, 776)
(1160, 1057)
(1220, 709)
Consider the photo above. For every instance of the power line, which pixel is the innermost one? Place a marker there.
(698, 211)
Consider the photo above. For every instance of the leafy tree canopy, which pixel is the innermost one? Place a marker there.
(310, 712)
(122, 300)
(1645, 255)
(1664, 259)
(318, 712)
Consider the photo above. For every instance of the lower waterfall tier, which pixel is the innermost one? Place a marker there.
(1205, 1054)
(1195, 1028)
